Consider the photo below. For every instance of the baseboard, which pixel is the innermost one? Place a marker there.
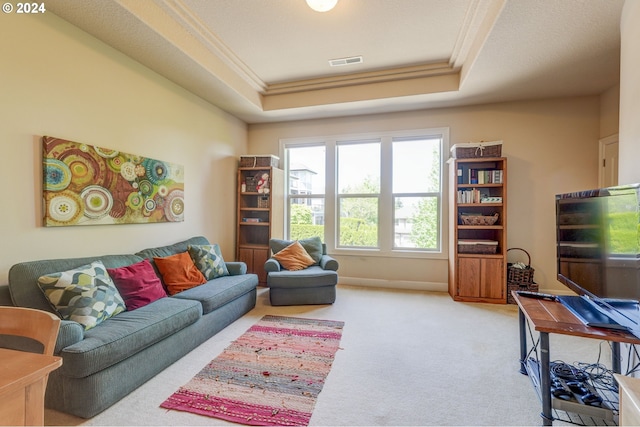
(393, 284)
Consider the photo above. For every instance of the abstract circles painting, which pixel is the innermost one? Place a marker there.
(88, 185)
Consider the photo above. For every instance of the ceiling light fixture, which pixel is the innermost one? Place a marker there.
(322, 5)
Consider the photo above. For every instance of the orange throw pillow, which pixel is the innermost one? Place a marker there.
(294, 257)
(179, 273)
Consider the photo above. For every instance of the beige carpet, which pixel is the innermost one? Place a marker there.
(406, 358)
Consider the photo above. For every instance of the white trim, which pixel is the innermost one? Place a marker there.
(602, 144)
(393, 284)
(386, 249)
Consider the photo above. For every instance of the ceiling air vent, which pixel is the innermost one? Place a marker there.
(345, 61)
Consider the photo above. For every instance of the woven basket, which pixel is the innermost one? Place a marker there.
(263, 202)
(477, 249)
(515, 286)
(476, 150)
(264, 160)
(479, 219)
(520, 275)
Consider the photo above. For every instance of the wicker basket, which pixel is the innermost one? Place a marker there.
(520, 275)
(470, 150)
(515, 286)
(263, 202)
(467, 219)
(477, 247)
(261, 160)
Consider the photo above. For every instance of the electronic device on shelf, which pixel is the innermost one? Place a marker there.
(598, 255)
(536, 295)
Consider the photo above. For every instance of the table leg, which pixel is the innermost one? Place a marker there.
(615, 357)
(522, 321)
(545, 380)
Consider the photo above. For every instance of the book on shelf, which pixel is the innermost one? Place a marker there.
(469, 196)
(476, 195)
(479, 176)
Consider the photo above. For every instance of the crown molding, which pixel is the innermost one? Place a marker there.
(355, 79)
(179, 26)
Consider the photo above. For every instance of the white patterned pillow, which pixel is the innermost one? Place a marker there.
(86, 294)
(209, 261)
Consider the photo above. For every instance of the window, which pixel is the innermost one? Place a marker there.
(374, 193)
(358, 193)
(305, 167)
(416, 192)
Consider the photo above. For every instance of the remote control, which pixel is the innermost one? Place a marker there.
(536, 295)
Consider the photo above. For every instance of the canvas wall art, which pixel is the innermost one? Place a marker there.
(88, 185)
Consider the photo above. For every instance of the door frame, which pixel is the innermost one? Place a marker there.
(602, 144)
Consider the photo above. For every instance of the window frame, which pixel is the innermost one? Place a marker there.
(386, 213)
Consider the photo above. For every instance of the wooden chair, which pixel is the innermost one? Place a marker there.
(37, 325)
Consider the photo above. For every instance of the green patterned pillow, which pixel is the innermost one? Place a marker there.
(209, 261)
(86, 294)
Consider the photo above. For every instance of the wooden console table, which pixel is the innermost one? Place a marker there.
(551, 317)
(23, 382)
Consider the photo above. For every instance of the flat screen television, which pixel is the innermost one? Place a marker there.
(598, 255)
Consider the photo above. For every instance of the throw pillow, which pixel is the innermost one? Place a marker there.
(138, 284)
(294, 257)
(209, 261)
(179, 273)
(313, 246)
(86, 294)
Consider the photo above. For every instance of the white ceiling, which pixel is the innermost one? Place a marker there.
(267, 60)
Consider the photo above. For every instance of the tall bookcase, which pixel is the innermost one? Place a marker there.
(477, 247)
(260, 217)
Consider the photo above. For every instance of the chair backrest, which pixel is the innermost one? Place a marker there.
(37, 325)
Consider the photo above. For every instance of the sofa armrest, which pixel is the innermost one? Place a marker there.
(236, 268)
(271, 265)
(328, 263)
(70, 333)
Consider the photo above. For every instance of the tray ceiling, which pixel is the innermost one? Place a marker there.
(269, 60)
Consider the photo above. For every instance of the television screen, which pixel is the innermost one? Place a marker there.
(598, 241)
(598, 254)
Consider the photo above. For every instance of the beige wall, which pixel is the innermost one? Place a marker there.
(629, 171)
(610, 111)
(552, 147)
(56, 80)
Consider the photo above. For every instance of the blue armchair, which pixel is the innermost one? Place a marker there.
(315, 284)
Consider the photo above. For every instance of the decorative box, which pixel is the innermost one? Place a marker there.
(471, 150)
(259, 160)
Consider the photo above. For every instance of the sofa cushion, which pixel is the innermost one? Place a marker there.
(176, 248)
(208, 259)
(218, 292)
(313, 246)
(164, 251)
(126, 334)
(138, 284)
(179, 273)
(85, 294)
(23, 277)
(294, 257)
(313, 276)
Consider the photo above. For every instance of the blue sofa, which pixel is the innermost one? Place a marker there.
(103, 364)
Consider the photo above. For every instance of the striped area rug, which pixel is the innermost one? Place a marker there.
(269, 376)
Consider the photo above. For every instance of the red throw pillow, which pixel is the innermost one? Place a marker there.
(137, 283)
(179, 272)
